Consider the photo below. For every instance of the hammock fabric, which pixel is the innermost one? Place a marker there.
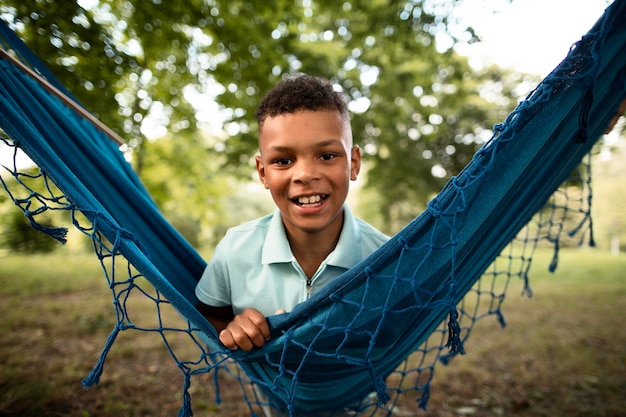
(348, 340)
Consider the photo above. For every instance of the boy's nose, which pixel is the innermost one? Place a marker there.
(305, 172)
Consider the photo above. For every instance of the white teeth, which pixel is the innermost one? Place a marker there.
(314, 199)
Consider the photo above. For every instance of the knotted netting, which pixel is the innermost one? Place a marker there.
(377, 331)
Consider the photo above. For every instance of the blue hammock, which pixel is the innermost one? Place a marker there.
(341, 345)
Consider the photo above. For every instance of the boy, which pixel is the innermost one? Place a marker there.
(269, 265)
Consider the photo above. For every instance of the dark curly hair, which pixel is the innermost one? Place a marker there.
(302, 92)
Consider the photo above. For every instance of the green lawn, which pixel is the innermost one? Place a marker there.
(563, 352)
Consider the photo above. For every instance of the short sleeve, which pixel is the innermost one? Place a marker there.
(214, 287)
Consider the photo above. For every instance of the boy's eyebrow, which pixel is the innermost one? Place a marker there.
(328, 143)
(322, 144)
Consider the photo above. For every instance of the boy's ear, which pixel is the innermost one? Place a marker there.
(260, 169)
(355, 166)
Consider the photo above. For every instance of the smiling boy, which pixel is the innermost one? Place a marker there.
(306, 160)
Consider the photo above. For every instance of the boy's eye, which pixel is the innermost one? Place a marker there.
(327, 156)
(282, 161)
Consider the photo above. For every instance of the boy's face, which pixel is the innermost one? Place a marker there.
(307, 161)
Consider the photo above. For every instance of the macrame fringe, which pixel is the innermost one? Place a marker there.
(185, 409)
(527, 290)
(423, 399)
(216, 384)
(58, 233)
(500, 318)
(379, 386)
(555, 257)
(592, 240)
(455, 344)
(94, 376)
(291, 409)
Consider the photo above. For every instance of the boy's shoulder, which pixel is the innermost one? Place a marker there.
(251, 231)
(368, 229)
(259, 223)
(370, 236)
(244, 241)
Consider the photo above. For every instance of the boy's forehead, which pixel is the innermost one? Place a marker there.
(290, 126)
(285, 116)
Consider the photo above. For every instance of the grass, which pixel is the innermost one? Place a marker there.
(562, 353)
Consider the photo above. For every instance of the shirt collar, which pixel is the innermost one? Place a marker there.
(276, 246)
(348, 250)
(346, 254)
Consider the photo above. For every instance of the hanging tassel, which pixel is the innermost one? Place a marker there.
(500, 318)
(379, 386)
(423, 401)
(555, 257)
(58, 233)
(592, 241)
(528, 290)
(185, 409)
(216, 383)
(455, 344)
(94, 376)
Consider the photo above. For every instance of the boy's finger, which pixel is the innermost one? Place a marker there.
(259, 321)
(227, 339)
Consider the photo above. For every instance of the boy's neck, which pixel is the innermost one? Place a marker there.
(311, 249)
(311, 254)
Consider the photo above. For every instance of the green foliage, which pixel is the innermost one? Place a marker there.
(17, 235)
(145, 68)
(42, 200)
(183, 176)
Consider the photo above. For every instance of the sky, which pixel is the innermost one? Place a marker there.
(531, 36)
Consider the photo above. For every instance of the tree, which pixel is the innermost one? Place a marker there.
(46, 209)
(418, 111)
(18, 235)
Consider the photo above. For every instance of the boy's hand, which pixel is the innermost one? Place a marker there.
(247, 330)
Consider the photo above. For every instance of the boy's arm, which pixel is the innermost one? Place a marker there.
(244, 331)
(219, 317)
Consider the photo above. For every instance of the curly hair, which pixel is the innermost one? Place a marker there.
(302, 92)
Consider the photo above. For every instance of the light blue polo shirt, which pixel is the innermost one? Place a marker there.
(253, 265)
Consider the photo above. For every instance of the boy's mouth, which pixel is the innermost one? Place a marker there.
(310, 201)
